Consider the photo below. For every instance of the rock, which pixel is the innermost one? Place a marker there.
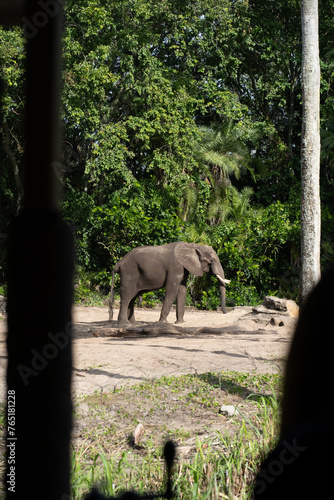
(134, 439)
(138, 434)
(3, 301)
(274, 303)
(227, 410)
(293, 308)
(276, 322)
(285, 306)
(262, 315)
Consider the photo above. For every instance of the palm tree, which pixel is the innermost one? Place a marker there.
(240, 202)
(221, 154)
(224, 155)
(223, 151)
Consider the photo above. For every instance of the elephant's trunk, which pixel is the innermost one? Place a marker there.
(219, 272)
(222, 297)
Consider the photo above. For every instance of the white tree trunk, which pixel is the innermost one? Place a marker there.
(310, 150)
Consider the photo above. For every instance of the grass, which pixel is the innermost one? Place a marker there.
(217, 457)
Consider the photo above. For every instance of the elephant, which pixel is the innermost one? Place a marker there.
(150, 268)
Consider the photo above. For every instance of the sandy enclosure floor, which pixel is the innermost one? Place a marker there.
(106, 357)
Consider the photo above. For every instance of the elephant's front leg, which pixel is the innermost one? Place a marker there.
(171, 293)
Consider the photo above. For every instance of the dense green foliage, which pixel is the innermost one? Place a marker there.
(181, 120)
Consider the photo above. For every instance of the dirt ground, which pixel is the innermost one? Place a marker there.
(106, 357)
(208, 341)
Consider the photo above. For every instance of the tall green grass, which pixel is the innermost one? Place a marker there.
(223, 467)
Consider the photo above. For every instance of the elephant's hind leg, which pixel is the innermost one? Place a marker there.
(128, 294)
(131, 311)
(123, 316)
(181, 298)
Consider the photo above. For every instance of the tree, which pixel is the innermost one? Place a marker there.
(179, 97)
(310, 150)
(223, 154)
(269, 66)
(12, 59)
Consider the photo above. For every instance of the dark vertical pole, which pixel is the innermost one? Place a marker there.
(40, 285)
(43, 33)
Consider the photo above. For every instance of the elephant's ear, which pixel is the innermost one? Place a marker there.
(187, 256)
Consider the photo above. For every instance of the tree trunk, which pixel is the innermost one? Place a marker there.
(310, 150)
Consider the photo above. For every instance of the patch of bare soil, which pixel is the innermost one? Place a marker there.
(107, 357)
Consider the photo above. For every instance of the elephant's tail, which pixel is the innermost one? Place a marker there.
(111, 298)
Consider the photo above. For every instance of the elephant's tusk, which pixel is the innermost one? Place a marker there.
(224, 281)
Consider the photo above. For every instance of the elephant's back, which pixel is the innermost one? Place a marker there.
(146, 252)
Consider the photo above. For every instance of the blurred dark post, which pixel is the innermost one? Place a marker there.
(40, 269)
